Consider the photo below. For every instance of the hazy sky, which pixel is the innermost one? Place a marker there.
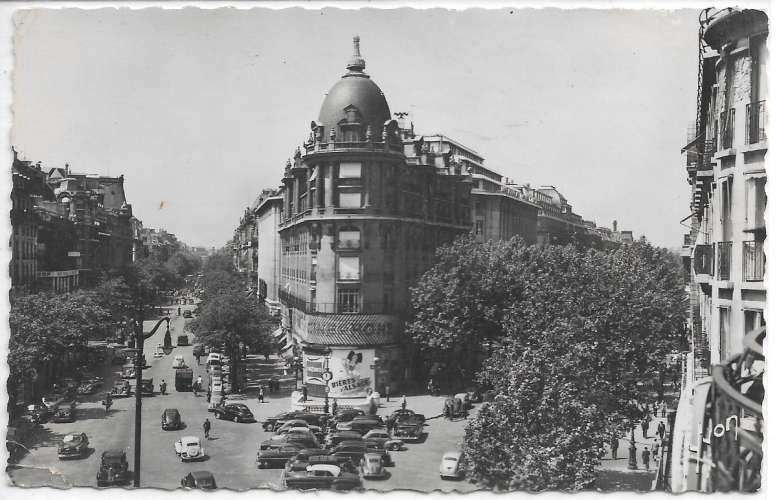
(199, 109)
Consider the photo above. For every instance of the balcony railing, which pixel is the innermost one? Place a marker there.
(702, 259)
(753, 260)
(724, 260)
(687, 240)
(352, 145)
(756, 122)
(335, 308)
(727, 128)
(735, 418)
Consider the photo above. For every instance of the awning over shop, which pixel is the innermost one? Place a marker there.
(693, 145)
(278, 333)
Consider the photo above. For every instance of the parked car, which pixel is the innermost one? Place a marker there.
(178, 361)
(114, 469)
(272, 422)
(183, 340)
(384, 439)
(450, 467)
(74, 445)
(376, 448)
(187, 313)
(65, 413)
(335, 438)
(189, 448)
(147, 386)
(52, 400)
(237, 412)
(35, 414)
(348, 414)
(360, 426)
(128, 371)
(324, 477)
(354, 450)
(88, 388)
(295, 422)
(121, 389)
(407, 416)
(199, 479)
(171, 419)
(275, 457)
(409, 432)
(372, 466)
(214, 359)
(198, 349)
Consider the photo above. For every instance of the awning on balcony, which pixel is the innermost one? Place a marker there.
(693, 146)
(278, 333)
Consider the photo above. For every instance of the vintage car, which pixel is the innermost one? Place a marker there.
(88, 388)
(295, 422)
(372, 466)
(277, 456)
(272, 422)
(383, 439)
(376, 448)
(171, 419)
(189, 448)
(360, 426)
(52, 400)
(354, 450)
(147, 386)
(199, 479)
(301, 460)
(66, 412)
(121, 389)
(335, 438)
(450, 467)
(75, 445)
(347, 414)
(114, 469)
(178, 362)
(324, 477)
(236, 412)
(183, 340)
(128, 371)
(407, 416)
(35, 414)
(408, 432)
(187, 313)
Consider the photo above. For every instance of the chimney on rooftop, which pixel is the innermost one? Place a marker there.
(615, 226)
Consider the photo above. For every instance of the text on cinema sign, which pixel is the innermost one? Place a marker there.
(357, 327)
(350, 384)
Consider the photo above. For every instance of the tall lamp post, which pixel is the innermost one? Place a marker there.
(632, 449)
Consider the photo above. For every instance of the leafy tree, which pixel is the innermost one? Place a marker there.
(575, 332)
(183, 263)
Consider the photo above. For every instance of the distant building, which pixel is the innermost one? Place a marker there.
(158, 243)
(267, 215)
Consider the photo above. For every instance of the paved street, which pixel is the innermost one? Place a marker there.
(231, 451)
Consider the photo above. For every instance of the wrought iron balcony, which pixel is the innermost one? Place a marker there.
(723, 251)
(735, 418)
(727, 121)
(756, 122)
(702, 259)
(753, 260)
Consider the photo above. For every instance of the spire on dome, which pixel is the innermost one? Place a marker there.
(357, 62)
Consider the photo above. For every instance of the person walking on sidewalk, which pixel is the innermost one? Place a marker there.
(663, 409)
(661, 430)
(614, 442)
(304, 393)
(646, 457)
(654, 450)
(261, 394)
(206, 428)
(645, 425)
(404, 401)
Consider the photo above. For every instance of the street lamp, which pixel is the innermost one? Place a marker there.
(632, 450)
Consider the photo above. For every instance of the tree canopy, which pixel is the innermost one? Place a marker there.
(572, 333)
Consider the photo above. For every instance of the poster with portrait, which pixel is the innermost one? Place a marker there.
(352, 371)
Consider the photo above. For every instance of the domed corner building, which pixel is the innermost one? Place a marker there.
(365, 205)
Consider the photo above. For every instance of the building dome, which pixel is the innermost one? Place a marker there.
(354, 101)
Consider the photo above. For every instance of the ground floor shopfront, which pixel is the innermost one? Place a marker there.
(345, 354)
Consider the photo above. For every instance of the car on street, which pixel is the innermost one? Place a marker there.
(324, 477)
(147, 386)
(354, 450)
(407, 416)
(35, 414)
(360, 426)
(187, 313)
(128, 371)
(301, 460)
(73, 445)
(114, 469)
(171, 419)
(121, 389)
(409, 432)
(199, 479)
(178, 362)
(66, 412)
(348, 414)
(88, 388)
(384, 439)
(236, 412)
(450, 466)
(277, 456)
(52, 400)
(295, 422)
(372, 466)
(183, 340)
(189, 448)
(334, 438)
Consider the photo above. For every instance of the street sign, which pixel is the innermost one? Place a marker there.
(327, 376)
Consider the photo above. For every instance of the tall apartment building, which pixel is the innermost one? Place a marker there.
(724, 251)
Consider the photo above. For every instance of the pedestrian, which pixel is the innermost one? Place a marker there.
(614, 442)
(388, 389)
(266, 356)
(646, 457)
(261, 394)
(661, 430)
(654, 450)
(206, 428)
(404, 401)
(208, 394)
(304, 393)
(197, 358)
(334, 407)
(663, 409)
(430, 386)
(645, 425)
(674, 381)
(655, 410)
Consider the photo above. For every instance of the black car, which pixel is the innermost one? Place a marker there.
(348, 414)
(199, 479)
(171, 419)
(354, 450)
(66, 412)
(35, 414)
(276, 457)
(73, 446)
(114, 469)
(407, 416)
(187, 314)
(183, 340)
(274, 423)
(237, 412)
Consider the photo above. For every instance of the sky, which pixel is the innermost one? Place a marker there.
(199, 109)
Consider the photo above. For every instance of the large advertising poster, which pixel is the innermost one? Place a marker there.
(352, 371)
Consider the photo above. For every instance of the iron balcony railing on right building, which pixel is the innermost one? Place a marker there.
(723, 251)
(753, 260)
(756, 122)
